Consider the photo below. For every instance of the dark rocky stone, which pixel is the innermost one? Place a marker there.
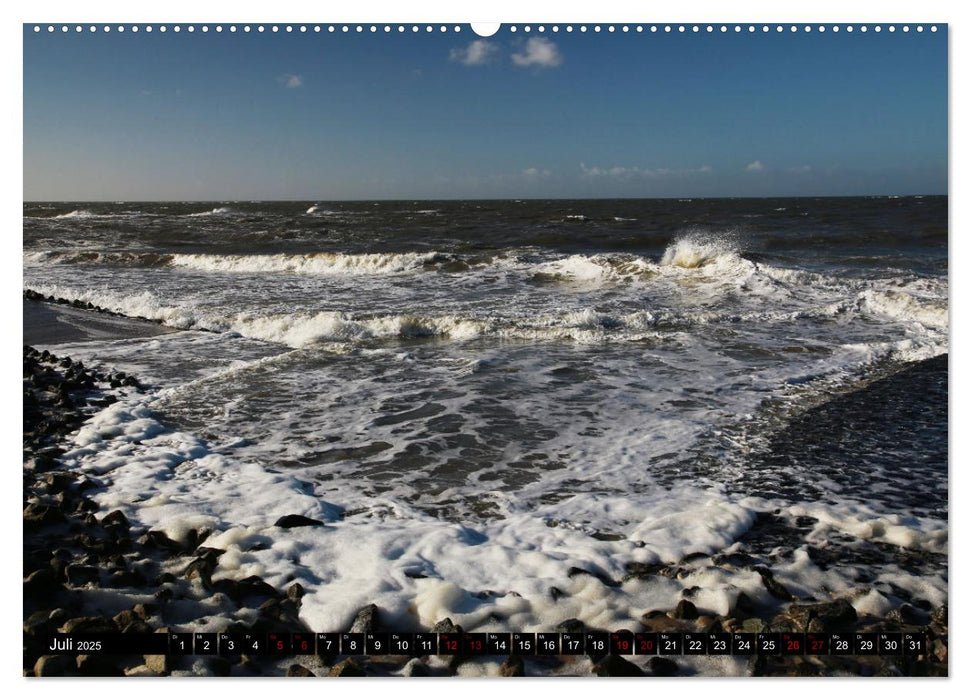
(349, 667)
(124, 618)
(415, 669)
(940, 615)
(55, 666)
(125, 579)
(775, 589)
(556, 593)
(298, 671)
(603, 578)
(143, 610)
(512, 667)
(116, 519)
(446, 626)
(58, 482)
(137, 627)
(685, 610)
(615, 666)
(37, 514)
(744, 607)
(736, 559)
(89, 625)
(662, 666)
(249, 587)
(203, 569)
(42, 582)
(906, 615)
(295, 591)
(819, 617)
(639, 571)
(288, 521)
(159, 540)
(571, 626)
(219, 666)
(80, 575)
(366, 620)
(94, 665)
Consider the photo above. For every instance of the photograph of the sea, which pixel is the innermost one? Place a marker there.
(514, 415)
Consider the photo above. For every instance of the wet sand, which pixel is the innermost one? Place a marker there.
(50, 324)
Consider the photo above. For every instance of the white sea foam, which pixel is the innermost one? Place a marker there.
(695, 250)
(311, 264)
(76, 214)
(218, 211)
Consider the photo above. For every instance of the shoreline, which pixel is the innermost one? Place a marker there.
(73, 552)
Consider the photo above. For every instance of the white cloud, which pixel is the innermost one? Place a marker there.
(535, 172)
(755, 166)
(629, 173)
(478, 53)
(538, 52)
(290, 81)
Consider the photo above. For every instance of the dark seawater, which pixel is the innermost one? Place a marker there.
(486, 393)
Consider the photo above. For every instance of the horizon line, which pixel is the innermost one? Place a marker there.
(485, 199)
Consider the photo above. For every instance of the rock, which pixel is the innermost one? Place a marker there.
(143, 610)
(124, 618)
(288, 521)
(366, 620)
(349, 667)
(736, 559)
(137, 627)
(512, 667)
(157, 663)
(295, 591)
(637, 570)
(571, 626)
(775, 589)
(278, 614)
(40, 463)
(116, 519)
(203, 569)
(55, 666)
(125, 579)
(159, 540)
(612, 666)
(744, 607)
(753, 625)
(819, 617)
(86, 505)
(37, 514)
(685, 610)
(40, 583)
(415, 669)
(219, 665)
(89, 665)
(690, 592)
(251, 586)
(58, 482)
(556, 593)
(79, 575)
(298, 671)
(603, 578)
(38, 624)
(906, 615)
(662, 666)
(446, 625)
(940, 615)
(89, 625)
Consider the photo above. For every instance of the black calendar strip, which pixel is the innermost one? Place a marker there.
(622, 643)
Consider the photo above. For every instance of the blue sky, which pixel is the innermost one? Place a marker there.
(362, 116)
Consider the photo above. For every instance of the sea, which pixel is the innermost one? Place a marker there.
(500, 409)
